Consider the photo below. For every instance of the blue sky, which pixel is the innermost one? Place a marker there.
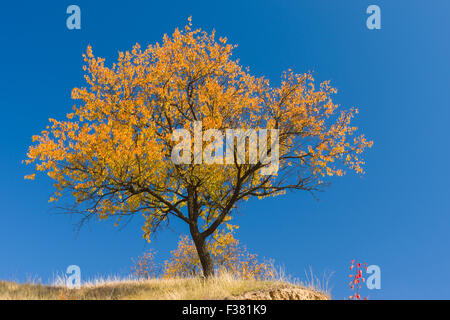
(396, 216)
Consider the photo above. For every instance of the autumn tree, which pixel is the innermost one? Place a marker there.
(113, 153)
(145, 266)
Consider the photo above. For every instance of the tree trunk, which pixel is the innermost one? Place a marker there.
(199, 240)
(203, 254)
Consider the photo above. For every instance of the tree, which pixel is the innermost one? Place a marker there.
(145, 267)
(113, 153)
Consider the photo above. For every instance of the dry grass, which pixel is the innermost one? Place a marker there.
(223, 287)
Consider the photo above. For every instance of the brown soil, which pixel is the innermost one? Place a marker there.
(283, 294)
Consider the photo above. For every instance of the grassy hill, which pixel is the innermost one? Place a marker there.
(162, 289)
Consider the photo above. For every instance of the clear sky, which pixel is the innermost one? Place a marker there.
(396, 216)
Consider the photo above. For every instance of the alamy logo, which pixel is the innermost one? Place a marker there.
(236, 140)
(74, 20)
(374, 20)
(73, 277)
(373, 281)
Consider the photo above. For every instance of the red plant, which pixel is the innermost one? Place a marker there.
(357, 279)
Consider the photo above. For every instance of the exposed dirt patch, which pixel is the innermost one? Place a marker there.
(282, 294)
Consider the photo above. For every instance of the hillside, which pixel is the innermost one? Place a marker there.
(165, 289)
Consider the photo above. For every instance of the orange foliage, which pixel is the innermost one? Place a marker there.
(145, 267)
(228, 256)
